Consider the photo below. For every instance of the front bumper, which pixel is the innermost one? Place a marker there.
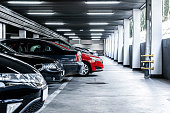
(53, 76)
(30, 101)
(97, 66)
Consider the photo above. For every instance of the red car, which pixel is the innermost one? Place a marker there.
(91, 63)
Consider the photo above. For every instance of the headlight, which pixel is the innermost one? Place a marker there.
(31, 79)
(96, 59)
(47, 66)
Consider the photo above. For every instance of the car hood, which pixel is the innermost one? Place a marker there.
(32, 59)
(12, 65)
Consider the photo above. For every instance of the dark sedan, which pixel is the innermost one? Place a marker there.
(21, 86)
(70, 59)
(52, 70)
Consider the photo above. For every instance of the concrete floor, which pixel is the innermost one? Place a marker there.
(125, 91)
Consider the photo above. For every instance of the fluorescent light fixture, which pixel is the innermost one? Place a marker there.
(63, 29)
(100, 13)
(54, 23)
(97, 30)
(96, 34)
(98, 23)
(73, 37)
(102, 2)
(69, 34)
(42, 13)
(25, 2)
(81, 30)
(95, 39)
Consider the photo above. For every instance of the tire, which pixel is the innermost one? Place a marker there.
(86, 69)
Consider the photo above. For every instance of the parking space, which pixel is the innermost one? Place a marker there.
(117, 89)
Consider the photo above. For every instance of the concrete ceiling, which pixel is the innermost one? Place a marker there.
(74, 14)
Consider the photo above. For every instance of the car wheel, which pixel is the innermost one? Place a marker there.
(86, 69)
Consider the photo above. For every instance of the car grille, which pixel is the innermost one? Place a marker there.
(97, 67)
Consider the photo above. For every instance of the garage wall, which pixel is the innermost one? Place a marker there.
(94, 45)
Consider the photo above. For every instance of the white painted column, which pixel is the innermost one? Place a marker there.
(36, 36)
(2, 31)
(120, 41)
(109, 47)
(156, 47)
(106, 46)
(136, 39)
(116, 45)
(22, 34)
(110, 55)
(126, 42)
(112, 36)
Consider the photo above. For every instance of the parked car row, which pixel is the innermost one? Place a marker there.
(27, 65)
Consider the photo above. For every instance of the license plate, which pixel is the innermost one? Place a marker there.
(45, 94)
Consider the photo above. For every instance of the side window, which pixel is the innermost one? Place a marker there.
(14, 45)
(22, 47)
(48, 48)
(33, 47)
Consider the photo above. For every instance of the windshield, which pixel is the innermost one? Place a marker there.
(4, 49)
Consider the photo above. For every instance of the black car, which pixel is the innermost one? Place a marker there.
(21, 86)
(70, 59)
(60, 42)
(52, 70)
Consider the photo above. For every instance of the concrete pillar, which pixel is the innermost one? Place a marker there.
(120, 41)
(36, 36)
(126, 42)
(2, 31)
(110, 55)
(22, 34)
(112, 36)
(116, 45)
(156, 29)
(136, 39)
(106, 46)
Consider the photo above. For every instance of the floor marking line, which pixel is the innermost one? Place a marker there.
(53, 95)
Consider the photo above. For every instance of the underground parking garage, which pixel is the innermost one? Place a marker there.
(89, 56)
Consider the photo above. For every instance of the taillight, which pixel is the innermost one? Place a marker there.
(76, 57)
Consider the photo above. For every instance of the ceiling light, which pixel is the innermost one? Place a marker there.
(98, 23)
(42, 13)
(63, 29)
(73, 37)
(54, 23)
(69, 34)
(102, 2)
(81, 30)
(96, 34)
(97, 30)
(96, 37)
(25, 2)
(100, 13)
